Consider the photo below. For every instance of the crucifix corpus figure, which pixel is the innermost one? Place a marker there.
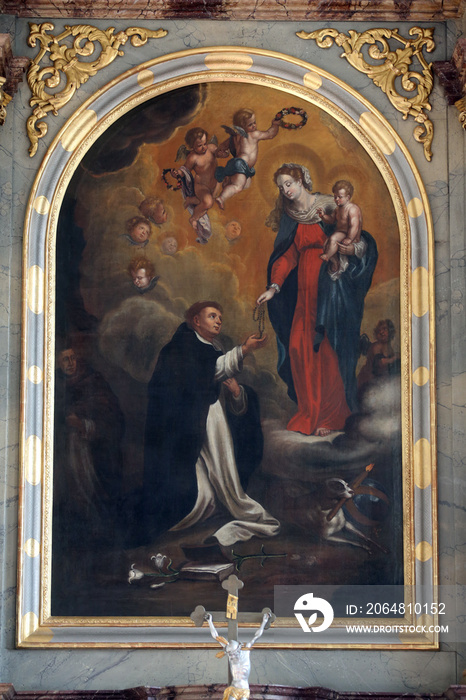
(239, 658)
(239, 662)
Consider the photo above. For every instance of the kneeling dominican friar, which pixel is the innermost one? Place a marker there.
(203, 435)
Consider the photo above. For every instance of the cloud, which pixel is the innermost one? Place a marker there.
(132, 336)
(152, 122)
(379, 418)
(369, 435)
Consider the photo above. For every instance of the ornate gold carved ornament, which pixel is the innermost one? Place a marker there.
(11, 73)
(461, 107)
(396, 64)
(4, 100)
(67, 64)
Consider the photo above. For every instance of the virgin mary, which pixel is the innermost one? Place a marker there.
(316, 318)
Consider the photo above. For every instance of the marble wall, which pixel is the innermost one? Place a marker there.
(444, 178)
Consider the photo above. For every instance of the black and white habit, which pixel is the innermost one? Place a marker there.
(201, 443)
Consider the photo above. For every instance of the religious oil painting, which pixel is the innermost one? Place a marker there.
(228, 359)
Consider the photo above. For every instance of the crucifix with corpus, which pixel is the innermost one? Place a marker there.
(239, 662)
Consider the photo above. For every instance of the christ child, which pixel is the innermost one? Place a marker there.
(201, 162)
(138, 231)
(244, 146)
(348, 219)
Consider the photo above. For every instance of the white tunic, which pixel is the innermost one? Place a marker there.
(217, 475)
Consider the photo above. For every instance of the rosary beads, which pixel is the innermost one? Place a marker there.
(258, 315)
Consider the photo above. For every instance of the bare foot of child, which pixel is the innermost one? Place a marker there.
(220, 203)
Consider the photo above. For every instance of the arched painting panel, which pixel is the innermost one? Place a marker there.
(323, 481)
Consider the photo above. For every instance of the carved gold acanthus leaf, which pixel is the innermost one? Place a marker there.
(396, 65)
(4, 100)
(65, 65)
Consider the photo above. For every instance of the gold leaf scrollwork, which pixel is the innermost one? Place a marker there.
(461, 107)
(4, 100)
(397, 64)
(67, 66)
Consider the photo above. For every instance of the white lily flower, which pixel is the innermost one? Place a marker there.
(134, 574)
(159, 560)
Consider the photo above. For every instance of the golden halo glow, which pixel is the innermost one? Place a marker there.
(287, 153)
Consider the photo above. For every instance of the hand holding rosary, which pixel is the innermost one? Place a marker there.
(258, 315)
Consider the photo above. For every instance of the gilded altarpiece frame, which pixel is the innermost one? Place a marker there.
(337, 135)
